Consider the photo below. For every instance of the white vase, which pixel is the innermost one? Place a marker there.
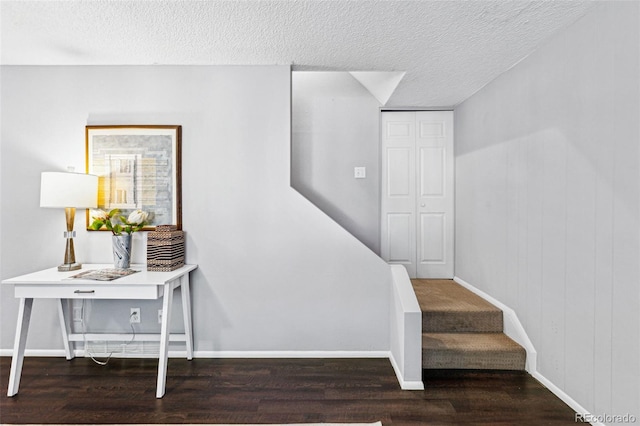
(121, 250)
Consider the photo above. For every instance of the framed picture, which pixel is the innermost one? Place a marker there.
(138, 167)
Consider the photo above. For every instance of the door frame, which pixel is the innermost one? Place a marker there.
(415, 267)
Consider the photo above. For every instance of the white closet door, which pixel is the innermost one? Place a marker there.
(398, 231)
(417, 192)
(434, 151)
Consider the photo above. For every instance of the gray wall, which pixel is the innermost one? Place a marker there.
(275, 274)
(548, 204)
(335, 127)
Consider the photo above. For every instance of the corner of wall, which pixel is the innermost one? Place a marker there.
(405, 330)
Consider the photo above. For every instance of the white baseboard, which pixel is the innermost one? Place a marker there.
(36, 352)
(514, 329)
(565, 398)
(55, 353)
(219, 354)
(291, 354)
(512, 326)
(404, 384)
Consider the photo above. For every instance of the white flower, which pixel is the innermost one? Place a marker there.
(137, 217)
(99, 215)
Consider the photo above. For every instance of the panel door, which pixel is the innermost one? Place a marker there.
(398, 227)
(417, 192)
(435, 198)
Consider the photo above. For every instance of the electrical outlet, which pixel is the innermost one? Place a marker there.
(159, 316)
(77, 313)
(134, 317)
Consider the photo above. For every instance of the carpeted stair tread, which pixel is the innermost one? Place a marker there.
(448, 307)
(493, 351)
(447, 296)
(462, 330)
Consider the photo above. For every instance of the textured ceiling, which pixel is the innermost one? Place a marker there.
(449, 49)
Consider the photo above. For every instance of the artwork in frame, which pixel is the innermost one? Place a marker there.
(138, 167)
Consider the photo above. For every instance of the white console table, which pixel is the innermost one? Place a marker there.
(51, 284)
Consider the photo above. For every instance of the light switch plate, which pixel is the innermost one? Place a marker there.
(359, 172)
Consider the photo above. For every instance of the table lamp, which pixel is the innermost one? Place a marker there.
(69, 190)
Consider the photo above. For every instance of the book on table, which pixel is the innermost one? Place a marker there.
(108, 274)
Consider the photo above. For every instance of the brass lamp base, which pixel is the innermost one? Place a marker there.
(70, 263)
(69, 267)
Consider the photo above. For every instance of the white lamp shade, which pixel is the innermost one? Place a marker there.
(61, 190)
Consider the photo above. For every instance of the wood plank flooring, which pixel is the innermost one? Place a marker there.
(53, 390)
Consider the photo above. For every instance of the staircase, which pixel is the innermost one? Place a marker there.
(460, 330)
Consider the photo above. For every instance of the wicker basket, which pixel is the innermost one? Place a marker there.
(165, 249)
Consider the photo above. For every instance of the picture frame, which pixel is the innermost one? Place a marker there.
(138, 168)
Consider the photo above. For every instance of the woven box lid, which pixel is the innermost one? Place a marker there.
(165, 237)
(166, 228)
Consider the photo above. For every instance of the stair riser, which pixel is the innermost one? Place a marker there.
(453, 322)
(474, 360)
(461, 331)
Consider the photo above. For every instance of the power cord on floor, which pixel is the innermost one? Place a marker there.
(86, 346)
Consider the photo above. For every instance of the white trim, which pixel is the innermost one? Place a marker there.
(219, 354)
(564, 397)
(54, 353)
(405, 330)
(291, 354)
(512, 326)
(514, 329)
(36, 352)
(415, 108)
(404, 384)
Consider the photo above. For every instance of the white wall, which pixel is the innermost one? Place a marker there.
(406, 330)
(335, 127)
(548, 204)
(275, 274)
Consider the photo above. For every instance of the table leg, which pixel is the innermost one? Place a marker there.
(62, 304)
(163, 357)
(20, 342)
(186, 313)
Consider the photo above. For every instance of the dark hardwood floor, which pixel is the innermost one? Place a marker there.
(53, 390)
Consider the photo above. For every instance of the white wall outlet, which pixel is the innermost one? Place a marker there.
(134, 317)
(159, 316)
(77, 313)
(359, 172)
